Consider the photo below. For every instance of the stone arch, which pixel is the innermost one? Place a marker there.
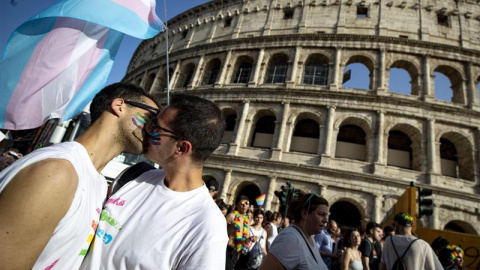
(243, 69)
(249, 189)
(460, 226)
(185, 76)
(263, 129)
(230, 116)
(365, 60)
(353, 139)
(316, 70)
(415, 136)
(277, 68)
(456, 79)
(212, 71)
(413, 72)
(456, 155)
(306, 133)
(346, 212)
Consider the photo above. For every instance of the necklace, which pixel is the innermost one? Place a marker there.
(241, 234)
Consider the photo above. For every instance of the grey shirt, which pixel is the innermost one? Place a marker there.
(294, 252)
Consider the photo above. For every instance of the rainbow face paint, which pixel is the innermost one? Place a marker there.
(139, 120)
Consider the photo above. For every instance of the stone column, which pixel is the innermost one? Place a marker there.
(381, 73)
(156, 87)
(327, 152)
(432, 148)
(198, 73)
(144, 80)
(277, 151)
(472, 97)
(427, 79)
(293, 75)
(380, 161)
(233, 150)
(271, 193)
(335, 84)
(323, 191)
(304, 18)
(225, 69)
(377, 206)
(270, 17)
(175, 74)
(477, 157)
(226, 184)
(256, 75)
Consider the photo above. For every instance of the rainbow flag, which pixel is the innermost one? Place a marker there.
(260, 199)
(55, 63)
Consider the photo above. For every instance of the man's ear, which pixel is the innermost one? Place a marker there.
(184, 147)
(117, 106)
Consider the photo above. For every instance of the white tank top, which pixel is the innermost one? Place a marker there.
(72, 236)
(273, 235)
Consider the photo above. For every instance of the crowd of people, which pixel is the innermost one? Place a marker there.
(314, 242)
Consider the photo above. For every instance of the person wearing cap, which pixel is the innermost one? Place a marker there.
(419, 254)
(451, 257)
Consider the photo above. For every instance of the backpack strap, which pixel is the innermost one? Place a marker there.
(129, 174)
(405, 252)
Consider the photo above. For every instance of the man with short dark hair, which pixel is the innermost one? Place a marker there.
(418, 253)
(212, 186)
(370, 252)
(166, 219)
(50, 200)
(9, 157)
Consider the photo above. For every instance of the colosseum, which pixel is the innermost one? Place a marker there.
(282, 72)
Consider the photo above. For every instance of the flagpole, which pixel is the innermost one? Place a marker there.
(166, 52)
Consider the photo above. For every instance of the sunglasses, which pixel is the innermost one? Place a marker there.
(153, 130)
(152, 110)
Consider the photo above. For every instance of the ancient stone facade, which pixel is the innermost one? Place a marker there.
(276, 69)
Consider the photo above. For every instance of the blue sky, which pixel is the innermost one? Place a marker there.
(12, 16)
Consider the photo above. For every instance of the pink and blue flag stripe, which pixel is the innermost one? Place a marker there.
(56, 62)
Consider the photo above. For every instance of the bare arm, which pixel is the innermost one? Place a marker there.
(345, 260)
(271, 263)
(31, 206)
(366, 263)
(269, 230)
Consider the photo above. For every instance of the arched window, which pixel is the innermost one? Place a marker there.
(242, 75)
(448, 155)
(230, 121)
(403, 78)
(351, 143)
(358, 73)
(186, 76)
(305, 136)
(212, 71)
(399, 150)
(263, 133)
(277, 69)
(448, 85)
(316, 70)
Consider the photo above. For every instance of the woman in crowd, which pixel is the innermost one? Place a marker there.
(272, 228)
(352, 258)
(294, 248)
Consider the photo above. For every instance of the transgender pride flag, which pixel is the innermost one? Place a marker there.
(55, 63)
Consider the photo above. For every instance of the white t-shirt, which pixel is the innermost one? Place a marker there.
(73, 234)
(145, 225)
(419, 256)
